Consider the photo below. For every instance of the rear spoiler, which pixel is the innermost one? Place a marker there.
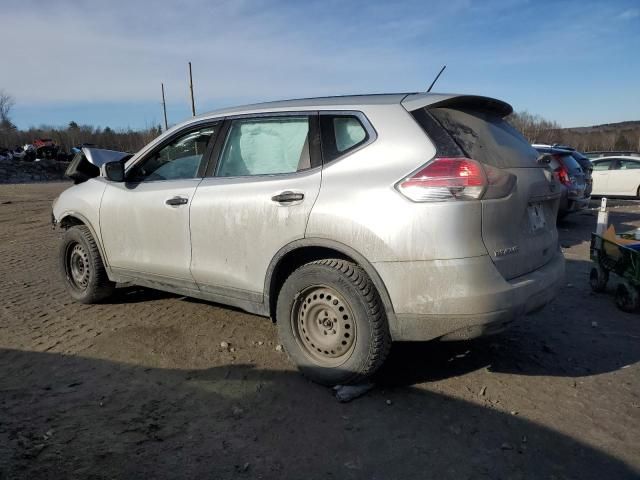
(415, 101)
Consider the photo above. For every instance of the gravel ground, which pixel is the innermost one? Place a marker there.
(141, 388)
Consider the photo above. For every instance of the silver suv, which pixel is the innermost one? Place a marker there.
(350, 221)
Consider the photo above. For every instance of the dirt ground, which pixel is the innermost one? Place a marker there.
(140, 387)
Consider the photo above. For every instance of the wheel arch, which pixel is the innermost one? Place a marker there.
(299, 252)
(71, 219)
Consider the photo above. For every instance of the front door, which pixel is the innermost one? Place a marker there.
(256, 201)
(144, 221)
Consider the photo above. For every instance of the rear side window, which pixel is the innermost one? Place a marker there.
(340, 134)
(629, 165)
(583, 161)
(485, 137)
(265, 146)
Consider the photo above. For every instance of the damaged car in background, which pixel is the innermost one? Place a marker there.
(351, 221)
(575, 180)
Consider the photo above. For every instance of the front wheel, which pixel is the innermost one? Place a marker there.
(331, 322)
(81, 266)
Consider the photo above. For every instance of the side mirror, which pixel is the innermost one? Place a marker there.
(114, 171)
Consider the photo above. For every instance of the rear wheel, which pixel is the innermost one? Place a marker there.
(598, 278)
(331, 322)
(627, 297)
(81, 266)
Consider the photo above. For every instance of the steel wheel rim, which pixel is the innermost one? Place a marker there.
(323, 325)
(78, 266)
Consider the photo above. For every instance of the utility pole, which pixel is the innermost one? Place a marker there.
(193, 104)
(164, 108)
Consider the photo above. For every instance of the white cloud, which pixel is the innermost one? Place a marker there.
(630, 14)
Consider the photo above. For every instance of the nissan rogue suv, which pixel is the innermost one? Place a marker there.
(351, 221)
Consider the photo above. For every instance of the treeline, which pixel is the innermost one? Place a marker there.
(617, 136)
(75, 135)
(613, 136)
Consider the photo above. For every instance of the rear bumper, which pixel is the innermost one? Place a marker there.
(463, 298)
(570, 204)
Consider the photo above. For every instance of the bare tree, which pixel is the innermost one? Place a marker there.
(6, 104)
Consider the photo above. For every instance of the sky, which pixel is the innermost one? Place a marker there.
(102, 62)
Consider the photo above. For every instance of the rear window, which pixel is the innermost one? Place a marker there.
(569, 162)
(583, 161)
(629, 165)
(483, 136)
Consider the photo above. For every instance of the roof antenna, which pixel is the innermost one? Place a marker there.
(436, 79)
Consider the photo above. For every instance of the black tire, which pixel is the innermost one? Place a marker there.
(81, 267)
(347, 310)
(598, 278)
(627, 297)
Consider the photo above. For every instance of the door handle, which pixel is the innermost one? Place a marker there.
(288, 197)
(177, 201)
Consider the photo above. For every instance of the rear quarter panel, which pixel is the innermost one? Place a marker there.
(359, 206)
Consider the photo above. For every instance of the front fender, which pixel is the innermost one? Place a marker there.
(82, 202)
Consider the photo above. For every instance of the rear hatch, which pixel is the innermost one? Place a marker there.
(519, 229)
(587, 169)
(570, 174)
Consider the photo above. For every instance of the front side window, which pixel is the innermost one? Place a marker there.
(601, 165)
(265, 146)
(340, 134)
(180, 159)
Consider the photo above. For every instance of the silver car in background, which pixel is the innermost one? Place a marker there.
(350, 221)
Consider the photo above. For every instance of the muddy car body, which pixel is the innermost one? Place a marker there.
(351, 221)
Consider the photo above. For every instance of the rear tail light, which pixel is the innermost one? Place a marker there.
(563, 175)
(445, 179)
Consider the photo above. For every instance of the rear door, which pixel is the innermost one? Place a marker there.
(519, 230)
(256, 200)
(600, 176)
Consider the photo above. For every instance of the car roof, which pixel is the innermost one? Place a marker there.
(410, 100)
(303, 103)
(616, 157)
